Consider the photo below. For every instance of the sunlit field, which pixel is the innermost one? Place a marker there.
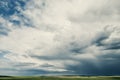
(61, 78)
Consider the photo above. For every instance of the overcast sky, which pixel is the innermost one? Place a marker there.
(59, 37)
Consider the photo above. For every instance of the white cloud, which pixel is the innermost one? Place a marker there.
(63, 31)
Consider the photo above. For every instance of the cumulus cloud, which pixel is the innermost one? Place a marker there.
(60, 37)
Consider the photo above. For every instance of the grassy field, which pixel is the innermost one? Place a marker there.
(63, 78)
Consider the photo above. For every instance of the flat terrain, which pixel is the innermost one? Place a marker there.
(62, 78)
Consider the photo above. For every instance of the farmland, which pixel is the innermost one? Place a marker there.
(60, 78)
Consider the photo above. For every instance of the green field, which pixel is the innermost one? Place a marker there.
(63, 78)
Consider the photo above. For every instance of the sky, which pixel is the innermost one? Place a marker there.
(59, 37)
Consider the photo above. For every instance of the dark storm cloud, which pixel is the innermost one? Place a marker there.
(107, 61)
(110, 63)
(106, 64)
(102, 68)
(84, 68)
